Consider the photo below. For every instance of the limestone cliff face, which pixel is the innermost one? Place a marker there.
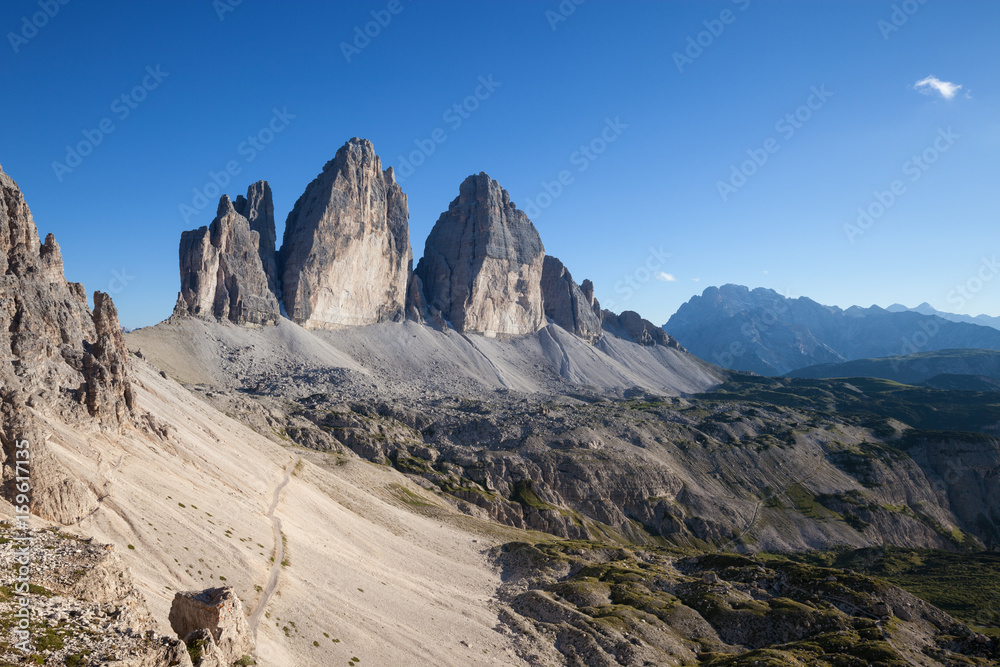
(222, 270)
(258, 209)
(482, 263)
(345, 257)
(55, 356)
(567, 304)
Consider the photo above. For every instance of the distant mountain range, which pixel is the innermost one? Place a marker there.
(974, 370)
(762, 331)
(927, 309)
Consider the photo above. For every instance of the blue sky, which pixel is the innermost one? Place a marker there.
(642, 137)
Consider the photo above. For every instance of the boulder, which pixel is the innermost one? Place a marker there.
(345, 258)
(482, 263)
(212, 620)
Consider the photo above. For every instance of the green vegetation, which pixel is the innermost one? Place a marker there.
(77, 659)
(805, 610)
(869, 401)
(525, 495)
(806, 503)
(962, 584)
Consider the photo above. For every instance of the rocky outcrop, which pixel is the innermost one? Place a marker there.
(631, 326)
(258, 209)
(56, 357)
(105, 362)
(212, 622)
(567, 304)
(345, 258)
(587, 287)
(482, 263)
(222, 271)
(82, 593)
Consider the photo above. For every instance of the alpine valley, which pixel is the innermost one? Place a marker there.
(332, 454)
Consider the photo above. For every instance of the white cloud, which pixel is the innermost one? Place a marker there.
(665, 277)
(932, 84)
(696, 280)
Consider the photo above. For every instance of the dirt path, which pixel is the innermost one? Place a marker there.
(279, 551)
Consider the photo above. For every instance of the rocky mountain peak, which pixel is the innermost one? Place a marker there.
(222, 270)
(56, 356)
(568, 304)
(482, 263)
(346, 257)
(258, 208)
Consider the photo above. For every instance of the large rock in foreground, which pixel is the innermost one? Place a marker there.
(222, 270)
(482, 264)
(567, 304)
(212, 621)
(345, 258)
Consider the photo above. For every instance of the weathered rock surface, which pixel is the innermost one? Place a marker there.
(222, 273)
(631, 326)
(214, 619)
(55, 356)
(81, 592)
(105, 366)
(345, 258)
(567, 304)
(715, 610)
(482, 263)
(258, 209)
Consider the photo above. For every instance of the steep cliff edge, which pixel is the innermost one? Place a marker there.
(345, 259)
(482, 263)
(56, 357)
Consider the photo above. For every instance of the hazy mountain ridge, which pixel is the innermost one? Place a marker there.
(927, 309)
(979, 369)
(762, 331)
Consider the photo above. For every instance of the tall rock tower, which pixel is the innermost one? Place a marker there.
(482, 263)
(346, 258)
